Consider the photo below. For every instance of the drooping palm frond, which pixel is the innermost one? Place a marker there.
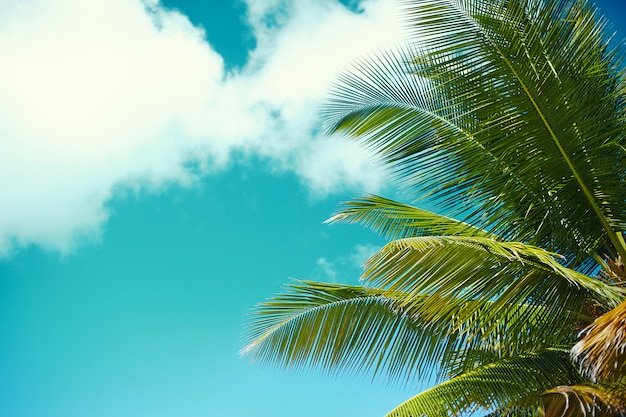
(602, 351)
(396, 220)
(510, 383)
(585, 401)
(509, 109)
(361, 330)
(342, 328)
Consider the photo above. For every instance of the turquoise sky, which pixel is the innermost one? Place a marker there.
(132, 304)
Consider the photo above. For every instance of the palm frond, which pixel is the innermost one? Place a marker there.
(602, 351)
(343, 328)
(550, 65)
(585, 401)
(396, 220)
(505, 384)
(359, 330)
(471, 267)
(511, 110)
(510, 116)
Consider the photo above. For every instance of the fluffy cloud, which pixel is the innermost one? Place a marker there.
(326, 271)
(362, 253)
(345, 266)
(101, 95)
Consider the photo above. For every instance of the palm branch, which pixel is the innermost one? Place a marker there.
(606, 400)
(515, 106)
(510, 383)
(343, 328)
(602, 350)
(395, 220)
(363, 330)
(508, 115)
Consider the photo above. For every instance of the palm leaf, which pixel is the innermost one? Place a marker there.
(585, 400)
(602, 350)
(508, 115)
(510, 383)
(511, 106)
(536, 76)
(362, 330)
(471, 267)
(342, 328)
(395, 220)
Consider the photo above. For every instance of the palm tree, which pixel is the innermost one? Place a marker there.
(509, 117)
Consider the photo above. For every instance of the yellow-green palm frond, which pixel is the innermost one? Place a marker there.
(354, 329)
(477, 267)
(602, 350)
(396, 220)
(342, 328)
(511, 383)
(585, 401)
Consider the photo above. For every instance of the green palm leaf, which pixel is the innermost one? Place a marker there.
(395, 220)
(471, 267)
(508, 103)
(510, 383)
(342, 328)
(358, 330)
(509, 116)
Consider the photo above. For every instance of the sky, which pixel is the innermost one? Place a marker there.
(162, 171)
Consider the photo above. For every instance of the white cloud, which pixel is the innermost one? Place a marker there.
(348, 266)
(96, 95)
(327, 271)
(361, 253)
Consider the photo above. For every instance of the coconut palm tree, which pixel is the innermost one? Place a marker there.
(508, 117)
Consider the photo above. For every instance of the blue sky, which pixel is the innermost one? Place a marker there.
(161, 172)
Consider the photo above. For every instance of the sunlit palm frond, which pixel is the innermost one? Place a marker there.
(508, 107)
(396, 220)
(484, 286)
(475, 333)
(403, 119)
(602, 351)
(361, 330)
(504, 384)
(477, 267)
(343, 328)
(585, 401)
(541, 77)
